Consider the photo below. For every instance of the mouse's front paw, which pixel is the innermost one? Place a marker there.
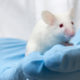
(67, 44)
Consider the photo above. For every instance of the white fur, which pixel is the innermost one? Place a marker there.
(44, 35)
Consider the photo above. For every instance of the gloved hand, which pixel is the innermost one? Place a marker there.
(58, 63)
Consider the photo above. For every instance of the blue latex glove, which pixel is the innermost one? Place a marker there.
(11, 54)
(59, 63)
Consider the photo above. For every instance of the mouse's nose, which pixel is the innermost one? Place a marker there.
(72, 34)
(69, 32)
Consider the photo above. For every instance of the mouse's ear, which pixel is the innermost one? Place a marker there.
(48, 17)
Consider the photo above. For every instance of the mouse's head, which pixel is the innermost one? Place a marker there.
(60, 25)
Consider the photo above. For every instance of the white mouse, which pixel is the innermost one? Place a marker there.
(52, 29)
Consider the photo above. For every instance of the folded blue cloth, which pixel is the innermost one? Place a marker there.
(58, 63)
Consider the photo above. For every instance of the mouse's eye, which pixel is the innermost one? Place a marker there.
(61, 25)
(72, 22)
